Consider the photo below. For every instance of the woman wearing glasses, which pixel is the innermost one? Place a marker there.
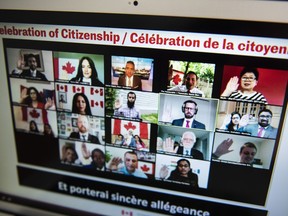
(182, 173)
(248, 80)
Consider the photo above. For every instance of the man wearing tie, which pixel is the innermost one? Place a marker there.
(188, 141)
(129, 80)
(83, 131)
(263, 128)
(190, 109)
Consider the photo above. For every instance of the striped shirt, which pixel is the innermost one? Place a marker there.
(256, 97)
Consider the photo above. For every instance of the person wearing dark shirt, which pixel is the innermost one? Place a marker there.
(182, 173)
(188, 140)
(129, 79)
(32, 72)
(190, 109)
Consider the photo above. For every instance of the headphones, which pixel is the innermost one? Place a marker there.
(190, 101)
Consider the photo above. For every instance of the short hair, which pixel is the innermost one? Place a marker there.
(131, 62)
(97, 150)
(192, 134)
(131, 152)
(249, 145)
(131, 93)
(250, 70)
(190, 72)
(265, 110)
(31, 55)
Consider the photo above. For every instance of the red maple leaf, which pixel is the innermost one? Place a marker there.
(130, 126)
(34, 114)
(68, 68)
(145, 168)
(176, 79)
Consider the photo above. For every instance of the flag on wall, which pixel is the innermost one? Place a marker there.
(123, 127)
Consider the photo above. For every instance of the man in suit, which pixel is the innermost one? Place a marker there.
(32, 72)
(188, 141)
(83, 131)
(263, 128)
(129, 80)
(190, 109)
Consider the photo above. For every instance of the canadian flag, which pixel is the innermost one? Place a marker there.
(37, 115)
(78, 89)
(62, 88)
(138, 128)
(65, 68)
(95, 90)
(97, 103)
(146, 167)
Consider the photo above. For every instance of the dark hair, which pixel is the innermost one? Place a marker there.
(64, 150)
(176, 172)
(94, 74)
(28, 100)
(190, 72)
(36, 127)
(45, 133)
(74, 104)
(249, 145)
(131, 93)
(31, 55)
(102, 155)
(131, 62)
(250, 70)
(231, 125)
(265, 110)
(140, 140)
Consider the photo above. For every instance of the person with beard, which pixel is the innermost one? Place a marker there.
(249, 79)
(190, 109)
(247, 151)
(32, 72)
(83, 131)
(190, 85)
(129, 111)
(263, 128)
(188, 141)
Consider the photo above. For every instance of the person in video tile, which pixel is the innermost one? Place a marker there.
(69, 155)
(247, 151)
(190, 109)
(33, 127)
(32, 98)
(48, 130)
(182, 173)
(97, 156)
(263, 128)
(32, 72)
(83, 131)
(190, 86)
(129, 79)
(128, 111)
(248, 80)
(130, 167)
(87, 72)
(188, 140)
(80, 104)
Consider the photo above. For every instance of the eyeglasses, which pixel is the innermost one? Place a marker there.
(189, 108)
(248, 78)
(265, 116)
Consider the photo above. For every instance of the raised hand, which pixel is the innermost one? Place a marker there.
(163, 172)
(168, 145)
(231, 86)
(85, 152)
(223, 148)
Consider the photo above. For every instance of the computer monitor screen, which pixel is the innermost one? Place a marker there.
(124, 114)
